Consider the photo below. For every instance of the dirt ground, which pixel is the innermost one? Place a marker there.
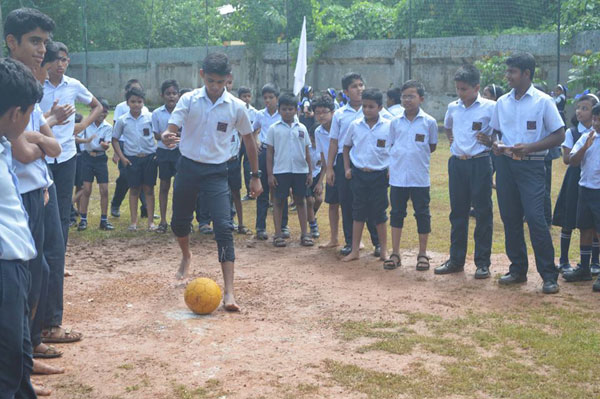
(141, 341)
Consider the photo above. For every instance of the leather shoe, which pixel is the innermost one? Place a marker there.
(448, 268)
(377, 251)
(596, 286)
(346, 250)
(261, 235)
(550, 287)
(115, 212)
(482, 272)
(577, 274)
(511, 279)
(595, 269)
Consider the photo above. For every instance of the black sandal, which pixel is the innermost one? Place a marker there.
(307, 241)
(279, 242)
(391, 264)
(423, 265)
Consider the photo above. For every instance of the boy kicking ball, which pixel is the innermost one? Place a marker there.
(208, 117)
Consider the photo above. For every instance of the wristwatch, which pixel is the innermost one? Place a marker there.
(257, 174)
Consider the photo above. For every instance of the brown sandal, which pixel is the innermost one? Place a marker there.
(307, 241)
(50, 353)
(279, 242)
(391, 264)
(66, 336)
(422, 265)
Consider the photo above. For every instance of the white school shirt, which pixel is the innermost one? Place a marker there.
(315, 161)
(16, 242)
(289, 144)
(409, 149)
(67, 92)
(264, 121)
(369, 145)
(122, 108)
(590, 164)
(251, 113)
(569, 139)
(102, 132)
(208, 128)
(322, 142)
(527, 120)
(160, 122)
(136, 134)
(343, 117)
(466, 123)
(33, 175)
(396, 109)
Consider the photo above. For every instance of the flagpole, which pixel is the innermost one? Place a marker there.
(287, 47)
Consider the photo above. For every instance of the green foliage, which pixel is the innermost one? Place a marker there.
(492, 70)
(585, 73)
(578, 16)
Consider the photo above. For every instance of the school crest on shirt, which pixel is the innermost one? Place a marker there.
(477, 126)
(222, 127)
(419, 138)
(531, 125)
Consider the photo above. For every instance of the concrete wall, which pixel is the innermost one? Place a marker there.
(383, 63)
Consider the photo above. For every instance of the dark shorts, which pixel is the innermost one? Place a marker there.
(234, 174)
(78, 171)
(167, 162)
(588, 209)
(310, 191)
(142, 171)
(285, 181)
(420, 198)
(331, 194)
(94, 167)
(369, 191)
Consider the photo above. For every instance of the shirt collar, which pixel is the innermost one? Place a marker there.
(419, 114)
(292, 125)
(129, 116)
(225, 96)
(529, 92)
(348, 107)
(477, 101)
(273, 115)
(63, 81)
(581, 128)
(4, 144)
(363, 121)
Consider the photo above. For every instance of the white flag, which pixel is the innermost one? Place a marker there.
(301, 67)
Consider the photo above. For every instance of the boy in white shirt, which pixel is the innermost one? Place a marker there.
(288, 166)
(413, 137)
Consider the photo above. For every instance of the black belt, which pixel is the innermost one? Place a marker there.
(526, 157)
(95, 153)
(465, 157)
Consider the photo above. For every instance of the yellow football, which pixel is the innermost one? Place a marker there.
(202, 295)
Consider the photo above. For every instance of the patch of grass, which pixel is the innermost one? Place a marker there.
(212, 389)
(132, 388)
(126, 366)
(74, 390)
(537, 353)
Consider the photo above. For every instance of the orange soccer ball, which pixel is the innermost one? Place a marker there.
(202, 295)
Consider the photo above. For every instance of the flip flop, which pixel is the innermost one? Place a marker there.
(50, 353)
(66, 337)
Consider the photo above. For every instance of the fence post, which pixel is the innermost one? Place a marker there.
(409, 39)
(558, 45)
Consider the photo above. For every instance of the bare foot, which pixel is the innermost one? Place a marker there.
(229, 303)
(45, 369)
(361, 246)
(68, 273)
(40, 390)
(184, 268)
(354, 255)
(330, 244)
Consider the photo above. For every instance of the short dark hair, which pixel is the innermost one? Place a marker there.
(395, 94)
(62, 47)
(24, 20)
(169, 83)
(324, 101)
(596, 110)
(287, 99)
(78, 117)
(468, 74)
(374, 95)
(51, 55)
(184, 90)
(243, 90)
(414, 84)
(131, 82)
(350, 77)
(270, 88)
(134, 91)
(17, 79)
(216, 63)
(104, 103)
(523, 61)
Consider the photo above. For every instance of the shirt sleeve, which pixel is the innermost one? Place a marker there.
(180, 113)
(580, 143)
(392, 134)
(318, 147)
(568, 143)
(155, 127)
(334, 132)
(307, 137)
(495, 121)
(552, 119)
(117, 130)
(256, 125)
(448, 119)
(242, 122)
(270, 136)
(349, 135)
(84, 96)
(433, 132)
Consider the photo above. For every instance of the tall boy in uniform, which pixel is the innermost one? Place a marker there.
(207, 117)
(17, 246)
(413, 137)
(94, 165)
(66, 90)
(288, 166)
(586, 152)
(245, 94)
(138, 155)
(323, 107)
(353, 86)
(470, 173)
(366, 146)
(265, 118)
(529, 124)
(166, 157)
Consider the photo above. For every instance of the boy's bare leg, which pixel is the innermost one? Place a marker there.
(186, 257)
(423, 244)
(77, 198)
(310, 211)
(357, 229)
(84, 199)
(163, 199)
(103, 188)
(39, 389)
(396, 235)
(237, 202)
(149, 192)
(301, 209)
(228, 297)
(334, 221)
(318, 200)
(382, 234)
(134, 196)
(45, 369)
(278, 214)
